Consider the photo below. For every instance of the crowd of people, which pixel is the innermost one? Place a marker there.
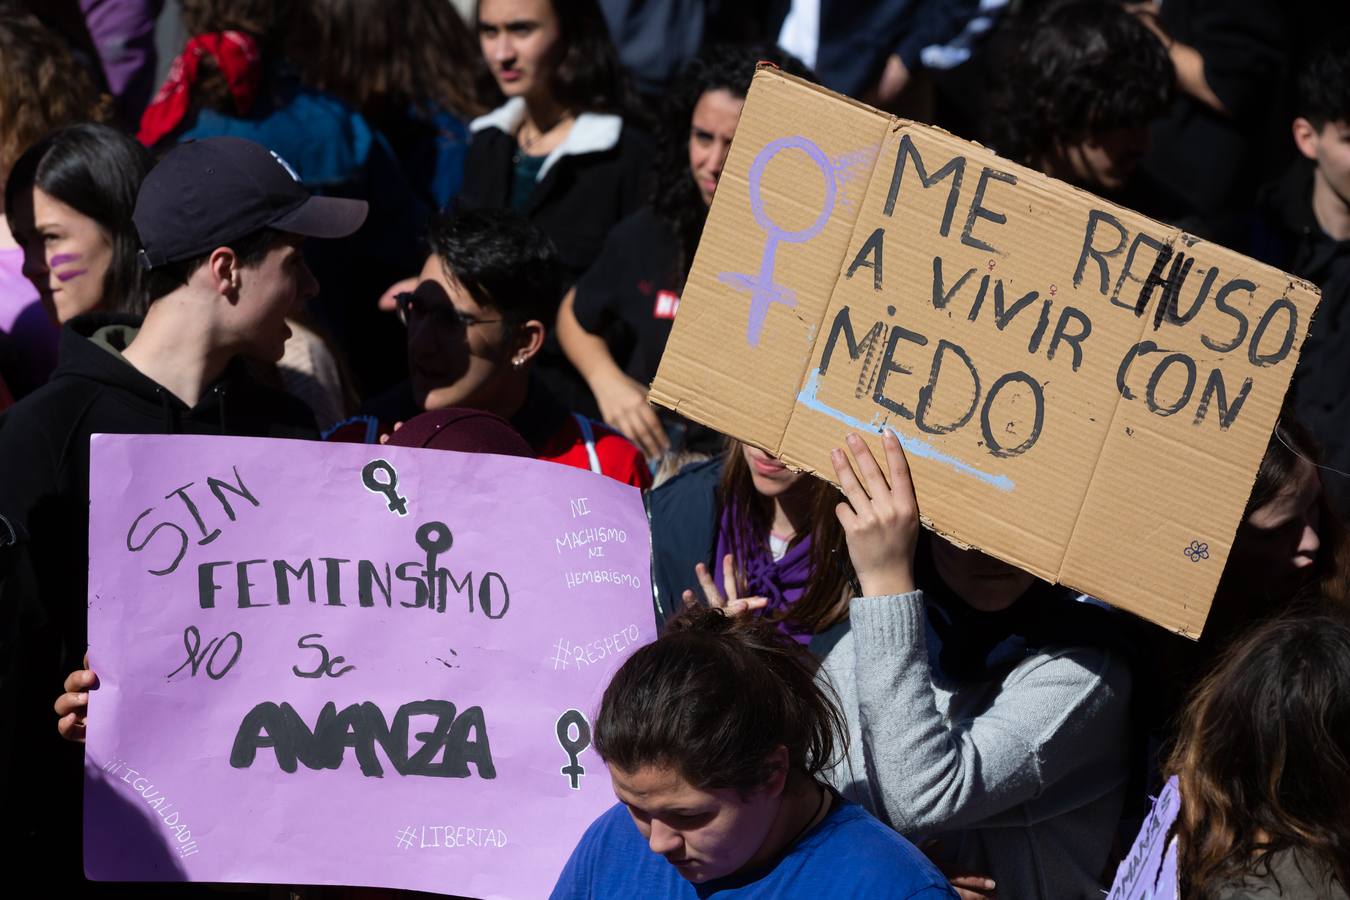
(468, 226)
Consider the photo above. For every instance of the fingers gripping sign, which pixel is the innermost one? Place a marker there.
(73, 706)
(729, 603)
(880, 519)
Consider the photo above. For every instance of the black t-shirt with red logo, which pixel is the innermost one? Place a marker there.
(630, 294)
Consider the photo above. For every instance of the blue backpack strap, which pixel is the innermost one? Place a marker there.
(588, 436)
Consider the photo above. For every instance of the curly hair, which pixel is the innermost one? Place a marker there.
(42, 88)
(1263, 758)
(385, 57)
(1079, 68)
(1324, 84)
(713, 697)
(675, 197)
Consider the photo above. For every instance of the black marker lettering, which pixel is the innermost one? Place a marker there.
(869, 256)
(889, 365)
(1099, 256)
(979, 211)
(955, 167)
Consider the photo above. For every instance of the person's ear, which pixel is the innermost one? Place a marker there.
(223, 265)
(1305, 137)
(529, 341)
(778, 771)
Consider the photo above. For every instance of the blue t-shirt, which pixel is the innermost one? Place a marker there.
(849, 854)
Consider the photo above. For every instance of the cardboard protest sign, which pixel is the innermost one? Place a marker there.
(1082, 392)
(1149, 872)
(345, 664)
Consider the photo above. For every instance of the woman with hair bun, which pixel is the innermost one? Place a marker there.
(719, 789)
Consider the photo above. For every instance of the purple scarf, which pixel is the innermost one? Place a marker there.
(782, 582)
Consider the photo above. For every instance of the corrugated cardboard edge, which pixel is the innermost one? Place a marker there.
(1171, 234)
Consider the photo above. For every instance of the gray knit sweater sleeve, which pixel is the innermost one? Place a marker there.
(928, 772)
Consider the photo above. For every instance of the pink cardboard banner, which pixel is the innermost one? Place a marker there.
(345, 664)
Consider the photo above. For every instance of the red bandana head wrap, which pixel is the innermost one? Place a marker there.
(235, 53)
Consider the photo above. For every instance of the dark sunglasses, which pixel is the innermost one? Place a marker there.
(411, 306)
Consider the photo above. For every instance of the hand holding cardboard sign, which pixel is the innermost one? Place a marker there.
(729, 604)
(624, 407)
(881, 521)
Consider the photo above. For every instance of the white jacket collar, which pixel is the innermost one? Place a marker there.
(591, 132)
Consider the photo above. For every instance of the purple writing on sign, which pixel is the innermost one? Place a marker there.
(341, 664)
(763, 290)
(1150, 870)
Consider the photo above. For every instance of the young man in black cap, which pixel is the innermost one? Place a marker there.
(220, 222)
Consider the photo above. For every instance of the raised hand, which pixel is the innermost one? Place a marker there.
(880, 520)
(730, 604)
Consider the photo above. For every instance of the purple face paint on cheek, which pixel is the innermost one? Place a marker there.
(62, 259)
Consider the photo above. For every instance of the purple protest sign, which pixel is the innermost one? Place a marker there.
(1149, 872)
(344, 664)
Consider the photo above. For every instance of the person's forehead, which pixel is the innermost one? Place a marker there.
(45, 206)
(1292, 498)
(719, 101)
(652, 785)
(506, 12)
(435, 271)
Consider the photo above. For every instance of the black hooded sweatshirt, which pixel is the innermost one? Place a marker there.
(44, 523)
(1287, 236)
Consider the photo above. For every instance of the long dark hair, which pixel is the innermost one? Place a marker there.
(714, 697)
(587, 76)
(95, 170)
(751, 515)
(1291, 444)
(1265, 750)
(388, 58)
(675, 196)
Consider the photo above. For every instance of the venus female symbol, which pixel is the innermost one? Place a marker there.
(764, 292)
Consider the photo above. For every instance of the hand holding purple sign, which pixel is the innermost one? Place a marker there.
(275, 702)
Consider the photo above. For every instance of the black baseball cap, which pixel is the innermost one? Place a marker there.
(205, 194)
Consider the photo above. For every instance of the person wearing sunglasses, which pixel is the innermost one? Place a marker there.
(475, 328)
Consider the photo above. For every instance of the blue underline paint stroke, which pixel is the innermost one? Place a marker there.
(913, 446)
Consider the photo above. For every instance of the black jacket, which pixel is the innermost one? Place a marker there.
(684, 515)
(1288, 236)
(44, 503)
(579, 199)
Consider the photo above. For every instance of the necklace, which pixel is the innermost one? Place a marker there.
(523, 147)
(824, 798)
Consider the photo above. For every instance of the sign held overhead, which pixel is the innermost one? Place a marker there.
(1082, 391)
